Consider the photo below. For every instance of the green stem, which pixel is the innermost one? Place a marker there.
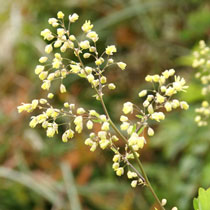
(134, 153)
(125, 140)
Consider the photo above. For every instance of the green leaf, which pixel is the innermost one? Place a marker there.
(203, 200)
(195, 203)
(71, 189)
(139, 116)
(140, 131)
(134, 128)
(96, 121)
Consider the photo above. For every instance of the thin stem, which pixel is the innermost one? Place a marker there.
(134, 153)
(125, 140)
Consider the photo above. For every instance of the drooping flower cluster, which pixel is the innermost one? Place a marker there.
(76, 119)
(202, 63)
(155, 102)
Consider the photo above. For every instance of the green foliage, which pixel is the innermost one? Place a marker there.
(203, 200)
(151, 35)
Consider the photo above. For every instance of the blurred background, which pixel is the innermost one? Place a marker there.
(151, 35)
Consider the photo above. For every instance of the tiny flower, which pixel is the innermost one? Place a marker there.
(86, 55)
(73, 18)
(143, 93)
(66, 105)
(115, 138)
(50, 95)
(50, 132)
(134, 183)
(57, 43)
(150, 132)
(80, 111)
(43, 75)
(111, 49)
(103, 80)
(60, 32)
(46, 85)
(150, 98)
(163, 88)
(92, 49)
(134, 174)
(124, 126)
(157, 116)
(93, 147)
(205, 104)
(33, 123)
(42, 101)
(156, 78)
(159, 99)
(104, 144)
(72, 37)
(123, 118)
(43, 59)
(148, 78)
(111, 86)
(93, 113)
(75, 68)
(89, 124)
(90, 78)
(122, 65)
(88, 142)
(105, 126)
(93, 35)
(136, 141)
(84, 44)
(127, 107)
(99, 61)
(60, 15)
(116, 158)
(102, 135)
(53, 22)
(48, 49)
(87, 26)
(39, 69)
(78, 121)
(129, 175)
(168, 106)
(170, 91)
(110, 61)
(184, 105)
(47, 34)
(166, 74)
(175, 103)
(150, 109)
(146, 103)
(171, 72)
(51, 76)
(115, 166)
(62, 88)
(120, 171)
(163, 202)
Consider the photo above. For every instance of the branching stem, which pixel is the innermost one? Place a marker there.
(148, 184)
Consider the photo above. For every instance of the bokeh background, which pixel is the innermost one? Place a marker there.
(151, 35)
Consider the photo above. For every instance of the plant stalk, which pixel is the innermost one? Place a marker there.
(134, 153)
(125, 140)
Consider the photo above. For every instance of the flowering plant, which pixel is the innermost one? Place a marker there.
(75, 119)
(202, 63)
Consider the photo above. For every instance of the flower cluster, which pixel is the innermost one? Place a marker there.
(155, 102)
(60, 67)
(201, 62)
(76, 119)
